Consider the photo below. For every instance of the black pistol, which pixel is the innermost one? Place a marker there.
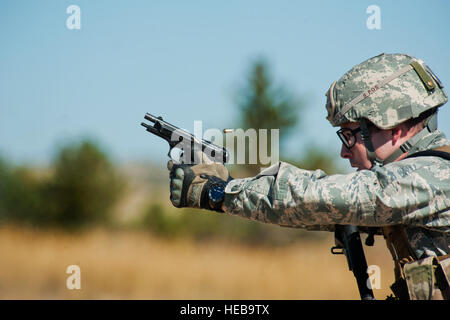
(185, 148)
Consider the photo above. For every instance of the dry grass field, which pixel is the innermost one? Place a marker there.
(135, 265)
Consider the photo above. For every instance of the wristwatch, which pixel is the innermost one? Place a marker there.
(216, 194)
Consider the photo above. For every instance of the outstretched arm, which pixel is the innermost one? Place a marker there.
(289, 196)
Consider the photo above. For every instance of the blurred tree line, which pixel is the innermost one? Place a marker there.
(203, 225)
(80, 190)
(82, 186)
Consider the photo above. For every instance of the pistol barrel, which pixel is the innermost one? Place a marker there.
(152, 118)
(150, 128)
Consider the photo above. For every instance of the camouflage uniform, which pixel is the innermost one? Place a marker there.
(413, 193)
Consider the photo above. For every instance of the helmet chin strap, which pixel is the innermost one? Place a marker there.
(365, 135)
(431, 125)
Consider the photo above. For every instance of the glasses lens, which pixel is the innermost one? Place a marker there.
(347, 137)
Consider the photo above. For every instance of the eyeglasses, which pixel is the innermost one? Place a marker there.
(348, 136)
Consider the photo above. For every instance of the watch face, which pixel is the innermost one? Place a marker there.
(216, 193)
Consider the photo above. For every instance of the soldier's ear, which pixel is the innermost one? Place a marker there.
(398, 132)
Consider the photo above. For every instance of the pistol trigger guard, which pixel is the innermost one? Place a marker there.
(170, 155)
(179, 158)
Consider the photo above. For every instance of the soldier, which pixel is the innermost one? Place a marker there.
(386, 108)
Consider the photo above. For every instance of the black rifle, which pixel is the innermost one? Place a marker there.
(190, 149)
(348, 242)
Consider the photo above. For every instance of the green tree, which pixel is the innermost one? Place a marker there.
(20, 198)
(80, 189)
(84, 188)
(262, 105)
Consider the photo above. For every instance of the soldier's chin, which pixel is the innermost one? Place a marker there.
(358, 167)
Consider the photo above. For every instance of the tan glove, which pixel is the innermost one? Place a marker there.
(190, 184)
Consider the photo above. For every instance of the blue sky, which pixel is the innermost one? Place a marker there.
(185, 60)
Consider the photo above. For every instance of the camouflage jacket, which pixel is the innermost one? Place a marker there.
(413, 192)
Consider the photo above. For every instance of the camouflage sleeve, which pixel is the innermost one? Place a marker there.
(289, 196)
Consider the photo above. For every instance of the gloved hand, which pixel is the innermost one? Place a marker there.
(190, 184)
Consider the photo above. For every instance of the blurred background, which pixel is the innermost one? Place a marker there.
(82, 183)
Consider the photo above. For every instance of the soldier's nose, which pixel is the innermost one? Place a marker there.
(345, 152)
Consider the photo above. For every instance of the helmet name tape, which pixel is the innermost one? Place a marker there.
(371, 91)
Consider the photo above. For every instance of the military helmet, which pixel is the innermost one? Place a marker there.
(387, 90)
